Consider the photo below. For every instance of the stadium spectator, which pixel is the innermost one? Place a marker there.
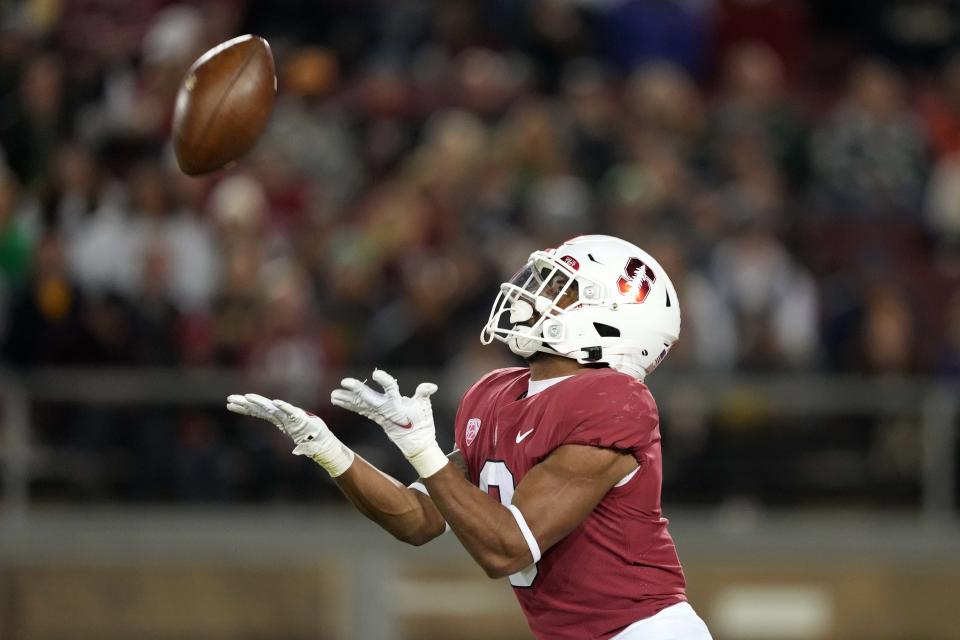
(940, 109)
(754, 109)
(773, 299)
(312, 132)
(590, 96)
(159, 224)
(709, 323)
(870, 156)
(889, 328)
(943, 200)
(288, 355)
(46, 324)
(662, 99)
(35, 121)
(16, 244)
(634, 32)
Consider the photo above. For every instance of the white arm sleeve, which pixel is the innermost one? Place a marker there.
(527, 534)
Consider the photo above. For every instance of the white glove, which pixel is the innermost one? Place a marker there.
(408, 422)
(311, 434)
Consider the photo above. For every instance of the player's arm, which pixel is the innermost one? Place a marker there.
(405, 513)
(504, 540)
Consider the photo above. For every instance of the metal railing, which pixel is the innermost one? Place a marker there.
(935, 402)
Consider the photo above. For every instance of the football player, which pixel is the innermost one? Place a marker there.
(555, 479)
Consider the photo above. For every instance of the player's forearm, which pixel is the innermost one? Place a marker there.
(485, 527)
(406, 514)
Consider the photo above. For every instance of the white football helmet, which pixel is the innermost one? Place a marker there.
(623, 310)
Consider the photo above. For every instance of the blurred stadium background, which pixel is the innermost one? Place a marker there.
(794, 165)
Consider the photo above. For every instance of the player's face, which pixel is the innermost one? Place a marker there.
(557, 284)
(548, 283)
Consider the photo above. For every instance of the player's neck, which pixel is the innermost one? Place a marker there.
(546, 366)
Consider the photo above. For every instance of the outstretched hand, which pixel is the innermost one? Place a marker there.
(311, 434)
(407, 421)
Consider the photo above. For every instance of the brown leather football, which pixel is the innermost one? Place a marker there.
(224, 104)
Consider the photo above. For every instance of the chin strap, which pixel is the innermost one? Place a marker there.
(523, 347)
(590, 354)
(538, 347)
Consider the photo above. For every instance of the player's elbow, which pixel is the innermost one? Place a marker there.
(413, 538)
(502, 565)
(418, 537)
(495, 570)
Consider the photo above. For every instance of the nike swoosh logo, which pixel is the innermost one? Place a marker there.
(521, 436)
(407, 425)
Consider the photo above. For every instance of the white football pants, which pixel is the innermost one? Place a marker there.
(677, 622)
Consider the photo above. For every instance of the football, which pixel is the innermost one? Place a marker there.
(224, 104)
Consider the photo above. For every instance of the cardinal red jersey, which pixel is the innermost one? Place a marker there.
(619, 565)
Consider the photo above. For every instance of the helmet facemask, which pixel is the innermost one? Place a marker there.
(528, 312)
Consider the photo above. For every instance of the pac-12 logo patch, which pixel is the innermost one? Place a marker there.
(571, 262)
(473, 426)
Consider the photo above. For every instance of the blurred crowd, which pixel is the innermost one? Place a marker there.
(794, 166)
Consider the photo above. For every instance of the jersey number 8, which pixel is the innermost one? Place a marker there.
(496, 474)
